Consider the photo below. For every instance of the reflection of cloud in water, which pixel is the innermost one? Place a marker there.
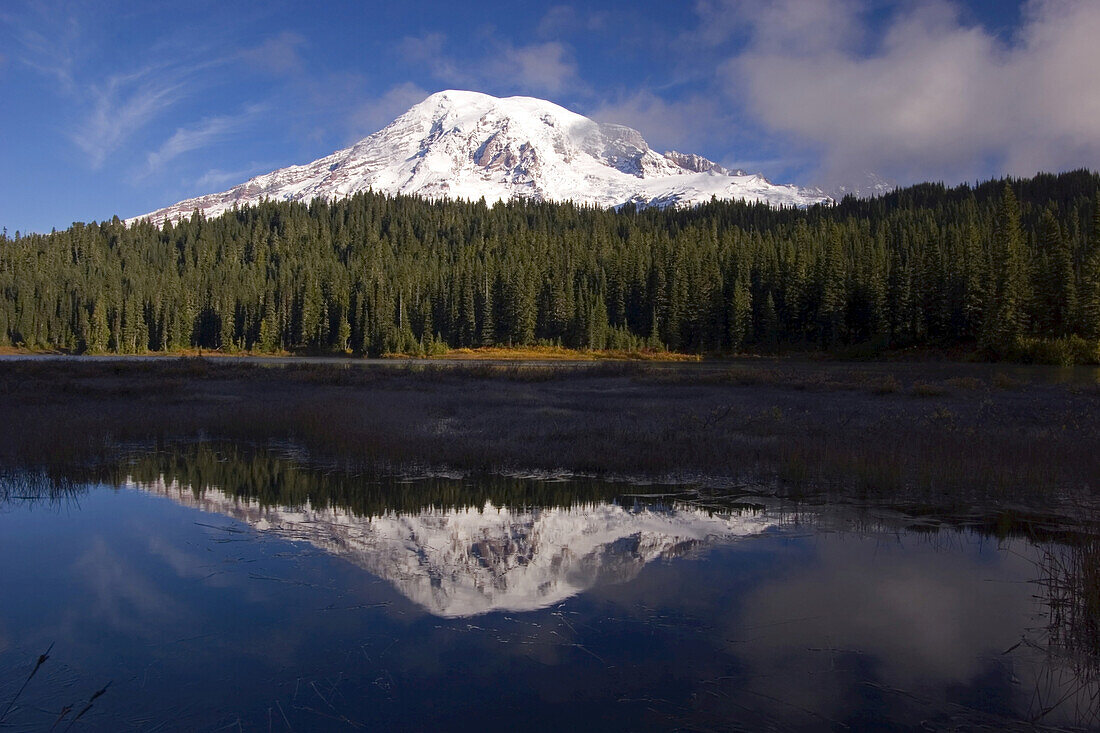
(921, 617)
(464, 562)
(121, 595)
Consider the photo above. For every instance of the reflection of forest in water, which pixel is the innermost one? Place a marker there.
(276, 488)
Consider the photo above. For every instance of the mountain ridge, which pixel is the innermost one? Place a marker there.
(468, 145)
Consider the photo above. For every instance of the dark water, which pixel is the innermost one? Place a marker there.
(218, 591)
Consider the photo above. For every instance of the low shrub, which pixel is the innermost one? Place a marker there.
(1068, 351)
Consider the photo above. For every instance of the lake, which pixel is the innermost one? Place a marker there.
(244, 587)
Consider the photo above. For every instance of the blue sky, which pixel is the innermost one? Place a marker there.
(123, 107)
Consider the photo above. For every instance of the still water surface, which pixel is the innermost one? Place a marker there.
(263, 598)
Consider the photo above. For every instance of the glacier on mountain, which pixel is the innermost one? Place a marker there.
(471, 146)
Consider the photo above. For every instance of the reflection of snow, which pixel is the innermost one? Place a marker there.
(463, 562)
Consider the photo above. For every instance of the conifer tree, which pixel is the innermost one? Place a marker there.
(832, 298)
(226, 326)
(486, 323)
(1056, 294)
(739, 319)
(100, 333)
(768, 332)
(1005, 319)
(928, 265)
(974, 281)
(269, 329)
(1089, 296)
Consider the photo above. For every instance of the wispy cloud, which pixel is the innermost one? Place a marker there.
(208, 132)
(566, 20)
(541, 66)
(278, 55)
(533, 68)
(118, 108)
(108, 107)
(216, 178)
(372, 114)
(427, 52)
(49, 52)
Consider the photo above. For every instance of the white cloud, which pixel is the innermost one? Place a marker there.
(801, 26)
(686, 125)
(934, 99)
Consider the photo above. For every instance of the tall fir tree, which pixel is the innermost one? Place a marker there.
(1056, 291)
(1005, 319)
(1089, 284)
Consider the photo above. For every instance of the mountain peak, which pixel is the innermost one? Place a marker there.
(458, 144)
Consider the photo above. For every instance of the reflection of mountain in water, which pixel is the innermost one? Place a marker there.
(462, 562)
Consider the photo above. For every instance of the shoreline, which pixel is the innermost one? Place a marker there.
(944, 430)
(553, 355)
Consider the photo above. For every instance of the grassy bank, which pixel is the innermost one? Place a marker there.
(488, 353)
(1070, 351)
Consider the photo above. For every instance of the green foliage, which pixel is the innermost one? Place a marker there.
(998, 264)
(1067, 351)
(1088, 284)
(1008, 294)
(1055, 283)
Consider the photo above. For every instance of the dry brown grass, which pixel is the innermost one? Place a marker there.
(558, 353)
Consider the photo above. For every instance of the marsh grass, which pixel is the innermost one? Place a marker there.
(62, 715)
(807, 427)
(1069, 590)
(42, 659)
(560, 353)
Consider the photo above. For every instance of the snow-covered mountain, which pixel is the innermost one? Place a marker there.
(864, 185)
(464, 562)
(467, 145)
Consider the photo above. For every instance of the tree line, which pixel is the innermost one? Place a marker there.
(995, 266)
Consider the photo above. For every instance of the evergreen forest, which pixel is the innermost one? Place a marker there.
(1005, 269)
